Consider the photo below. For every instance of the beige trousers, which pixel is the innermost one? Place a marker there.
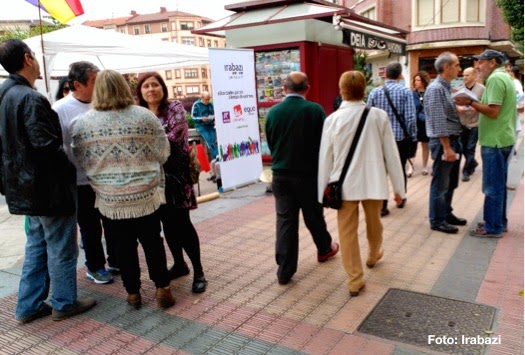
(347, 221)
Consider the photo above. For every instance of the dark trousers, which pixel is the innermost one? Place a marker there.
(292, 194)
(147, 231)
(180, 234)
(469, 139)
(90, 222)
(403, 149)
(445, 179)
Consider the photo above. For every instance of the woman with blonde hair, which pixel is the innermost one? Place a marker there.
(375, 157)
(122, 147)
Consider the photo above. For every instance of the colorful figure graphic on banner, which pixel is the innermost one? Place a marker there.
(238, 150)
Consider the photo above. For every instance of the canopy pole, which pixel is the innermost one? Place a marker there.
(42, 45)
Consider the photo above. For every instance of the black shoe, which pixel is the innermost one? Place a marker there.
(384, 212)
(199, 284)
(283, 281)
(456, 221)
(465, 178)
(44, 311)
(445, 228)
(403, 203)
(80, 306)
(178, 270)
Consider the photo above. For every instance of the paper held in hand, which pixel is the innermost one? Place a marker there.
(465, 93)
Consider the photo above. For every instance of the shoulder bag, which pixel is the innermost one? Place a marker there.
(332, 196)
(412, 145)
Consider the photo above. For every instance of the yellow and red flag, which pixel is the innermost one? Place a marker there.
(62, 10)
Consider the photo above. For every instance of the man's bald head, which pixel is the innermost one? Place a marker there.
(205, 97)
(296, 82)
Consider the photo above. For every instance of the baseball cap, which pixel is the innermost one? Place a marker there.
(489, 54)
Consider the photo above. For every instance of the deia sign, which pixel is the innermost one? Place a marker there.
(356, 39)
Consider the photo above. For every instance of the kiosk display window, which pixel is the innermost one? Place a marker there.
(271, 68)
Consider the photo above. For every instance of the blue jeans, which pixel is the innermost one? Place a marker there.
(445, 178)
(210, 136)
(469, 139)
(495, 169)
(50, 258)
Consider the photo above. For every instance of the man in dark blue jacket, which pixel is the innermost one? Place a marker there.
(38, 181)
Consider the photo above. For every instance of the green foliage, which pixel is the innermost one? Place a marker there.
(513, 14)
(19, 33)
(191, 123)
(360, 64)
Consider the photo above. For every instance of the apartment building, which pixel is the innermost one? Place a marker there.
(464, 27)
(172, 26)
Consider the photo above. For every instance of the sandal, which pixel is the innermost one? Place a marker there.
(424, 172)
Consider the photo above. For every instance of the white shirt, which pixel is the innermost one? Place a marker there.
(69, 109)
(376, 155)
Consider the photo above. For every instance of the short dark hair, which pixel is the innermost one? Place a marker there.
(12, 52)
(516, 71)
(296, 86)
(79, 71)
(393, 70)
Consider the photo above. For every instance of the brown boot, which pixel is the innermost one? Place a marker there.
(134, 300)
(164, 298)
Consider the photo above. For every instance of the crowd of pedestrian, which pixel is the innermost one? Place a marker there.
(116, 167)
(120, 169)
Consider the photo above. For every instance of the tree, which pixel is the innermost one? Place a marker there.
(19, 33)
(513, 14)
(360, 64)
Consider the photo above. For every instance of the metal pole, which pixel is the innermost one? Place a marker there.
(42, 45)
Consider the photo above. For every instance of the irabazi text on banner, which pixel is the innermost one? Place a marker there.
(236, 119)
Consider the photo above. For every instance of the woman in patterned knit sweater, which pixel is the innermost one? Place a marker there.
(121, 147)
(179, 232)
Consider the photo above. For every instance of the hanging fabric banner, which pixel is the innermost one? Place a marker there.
(236, 118)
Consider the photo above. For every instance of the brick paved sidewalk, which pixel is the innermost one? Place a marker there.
(245, 311)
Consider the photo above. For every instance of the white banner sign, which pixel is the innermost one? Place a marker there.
(236, 119)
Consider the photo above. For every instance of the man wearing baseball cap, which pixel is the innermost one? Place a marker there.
(497, 136)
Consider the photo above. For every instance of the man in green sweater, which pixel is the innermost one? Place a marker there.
(293, 131)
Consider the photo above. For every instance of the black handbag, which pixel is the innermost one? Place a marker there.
(332, 195)
(412, 144)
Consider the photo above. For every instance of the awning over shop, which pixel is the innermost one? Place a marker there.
(358, 31)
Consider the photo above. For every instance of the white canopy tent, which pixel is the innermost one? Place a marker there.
(108, 49)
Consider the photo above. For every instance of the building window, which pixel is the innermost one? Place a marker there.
(190, 41)
(164, 27)
(136, 30)
(473, 11)
(122, 30)
(147, 28)
(425, 12)
(205, 88)
(450, 11)
(173, 26)
(370, 13)
(177, 73)
(186, 25)
(191, 73)
(177, 90)
(201, 41)
(215, 43)
(208, 43)
(168, 75)
(204, 73)
(194, 89)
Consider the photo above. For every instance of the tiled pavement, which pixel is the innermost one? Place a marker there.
(245, 311)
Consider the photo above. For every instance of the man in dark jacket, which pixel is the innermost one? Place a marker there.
(38, 181)
(293, 132)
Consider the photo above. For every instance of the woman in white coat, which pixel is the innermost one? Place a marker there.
(376, 157)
